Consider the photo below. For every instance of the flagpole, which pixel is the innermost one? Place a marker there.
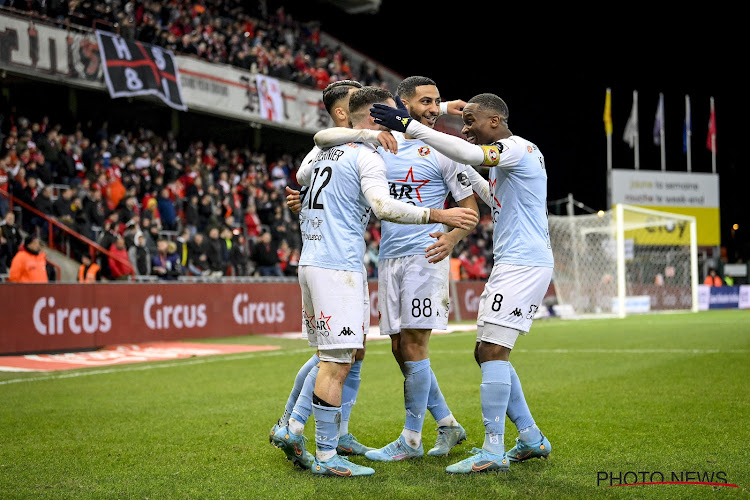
(661, 135)
(713, 142)
(608, 133)
(688, 133)
(636, 152)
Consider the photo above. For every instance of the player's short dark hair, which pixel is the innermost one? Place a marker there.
(408, 86)
(366, 97)
(492, 103)
(336, 91)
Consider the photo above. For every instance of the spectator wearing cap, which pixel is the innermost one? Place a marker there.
(29, 265)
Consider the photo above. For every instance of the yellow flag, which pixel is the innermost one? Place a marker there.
(608, 113)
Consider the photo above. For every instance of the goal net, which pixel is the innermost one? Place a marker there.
(623, 261)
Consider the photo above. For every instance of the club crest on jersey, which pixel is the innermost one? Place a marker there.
(316, 223)
(424, 151)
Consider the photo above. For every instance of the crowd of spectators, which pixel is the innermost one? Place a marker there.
(218, 31)
(202, 210)
(160, 210)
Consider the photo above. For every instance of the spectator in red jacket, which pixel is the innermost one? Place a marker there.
(119, 261)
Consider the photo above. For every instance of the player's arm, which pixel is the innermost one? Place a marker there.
(304, 172)
(375, 189)
(336, 136)
(480, 185)
(452, 107)
(445, 243)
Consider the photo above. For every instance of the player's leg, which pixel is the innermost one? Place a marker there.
(531, 443)
(290, 437)
(507, 309)
(339, 321)
(348, 444)
(426, 306)
(390, 277)
(299, 379)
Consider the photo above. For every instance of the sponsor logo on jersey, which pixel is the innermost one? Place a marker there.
(463, 179)
(411, 180)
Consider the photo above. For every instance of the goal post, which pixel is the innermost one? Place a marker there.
(625, 260)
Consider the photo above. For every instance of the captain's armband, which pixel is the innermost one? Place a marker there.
(491, 156)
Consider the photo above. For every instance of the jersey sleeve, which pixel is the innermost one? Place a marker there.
(480, 185)
(336, 136)
(455, 177)
(375, 189)
(451, 146)
(304, 172)
(509, 151)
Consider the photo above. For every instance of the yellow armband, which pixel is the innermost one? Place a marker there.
(491, 156)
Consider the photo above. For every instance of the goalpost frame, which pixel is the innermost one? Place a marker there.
(620, 243)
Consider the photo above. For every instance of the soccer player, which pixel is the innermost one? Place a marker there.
(522, 269)
(413, 290)
(346, 184)
(288, 432)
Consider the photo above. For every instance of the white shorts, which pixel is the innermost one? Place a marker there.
(412, 293)
(332, 306)
(512, 297)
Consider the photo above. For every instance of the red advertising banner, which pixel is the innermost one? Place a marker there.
(57, 317)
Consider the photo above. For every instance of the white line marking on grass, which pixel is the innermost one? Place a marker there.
(155, 366)
(599, 351)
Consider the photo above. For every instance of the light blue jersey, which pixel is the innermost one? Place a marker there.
(519, 205)
(421, 176)
(335, 215)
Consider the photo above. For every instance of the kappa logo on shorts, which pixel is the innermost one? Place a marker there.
(346, 331)
(516, 312)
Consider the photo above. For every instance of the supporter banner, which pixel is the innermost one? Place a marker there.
(723, 297)
(694, 194)
(229, 91)
(133, 68)
(57, 317)
(47, 52)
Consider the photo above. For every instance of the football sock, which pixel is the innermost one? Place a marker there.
(449, 421)
(295, 426)
(412, 438)
(436, 402)
(349, 394)
(519, 413)
(416, 389)
(303, 406)
(299, 381)
(327, 420)
(495, 392)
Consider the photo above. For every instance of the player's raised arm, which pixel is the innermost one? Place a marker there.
(336, 136)
(453, 147)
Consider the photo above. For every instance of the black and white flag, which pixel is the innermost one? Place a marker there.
(133, 68)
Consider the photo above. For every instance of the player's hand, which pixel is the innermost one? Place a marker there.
(460, 217)
(394, 118)
(441, 249)
(388, 142)
(293, 200)
(456, 107)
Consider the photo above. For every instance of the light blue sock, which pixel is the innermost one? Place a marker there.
(416, 390)
(349, 391)
(299, 381)
(303, 406)
(327, 420)
(519, 413)
(495, 392)
(436, 401)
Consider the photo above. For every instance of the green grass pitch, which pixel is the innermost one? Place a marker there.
(663, 393)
